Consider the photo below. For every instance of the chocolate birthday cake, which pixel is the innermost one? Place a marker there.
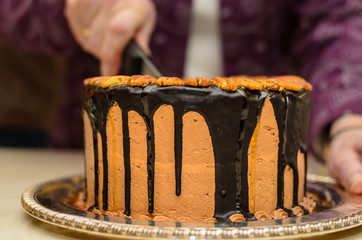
(196, 149)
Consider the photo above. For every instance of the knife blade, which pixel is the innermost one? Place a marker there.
(137, 62)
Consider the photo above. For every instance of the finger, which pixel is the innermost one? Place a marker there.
(80, 15)
(88, 11)
(121, 29)
(143, 36)
(346, 166)
(82, 12)
(356, 199)
(356, 184)
(69, 13)
(99, 23)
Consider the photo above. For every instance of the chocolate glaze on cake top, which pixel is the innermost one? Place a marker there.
(231, 108)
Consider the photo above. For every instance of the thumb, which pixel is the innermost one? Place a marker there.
(346, 166)
(143, 35)
(122, 28)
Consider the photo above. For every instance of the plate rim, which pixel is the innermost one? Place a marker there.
(133, 231)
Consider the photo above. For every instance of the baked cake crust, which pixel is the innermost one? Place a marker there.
(277, 83)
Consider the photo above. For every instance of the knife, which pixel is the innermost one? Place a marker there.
(137, 62)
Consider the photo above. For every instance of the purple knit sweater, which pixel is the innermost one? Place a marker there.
(320, 40)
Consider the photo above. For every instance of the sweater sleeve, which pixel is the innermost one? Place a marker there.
(329, 48)
(36, 25)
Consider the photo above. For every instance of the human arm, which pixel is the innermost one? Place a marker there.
(328, 47)
(103, 28)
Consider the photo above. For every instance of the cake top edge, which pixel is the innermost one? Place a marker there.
(274, 83)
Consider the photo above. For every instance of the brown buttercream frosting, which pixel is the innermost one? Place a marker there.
(144, 217)
(261, 216)
(309, 204)
(280, 83)
(298, 211)
(121, 214)
(111, 213)
(183, 219)
(278, 214)
(95, 210)
(237, 218)
(161, 218)
(211, 220)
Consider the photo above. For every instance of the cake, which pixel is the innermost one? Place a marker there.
(196, 149)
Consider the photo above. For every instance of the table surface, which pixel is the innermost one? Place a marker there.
(22, 168)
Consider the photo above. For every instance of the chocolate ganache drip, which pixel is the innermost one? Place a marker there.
(231, 118)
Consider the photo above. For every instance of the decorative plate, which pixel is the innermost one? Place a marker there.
(47, 202)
